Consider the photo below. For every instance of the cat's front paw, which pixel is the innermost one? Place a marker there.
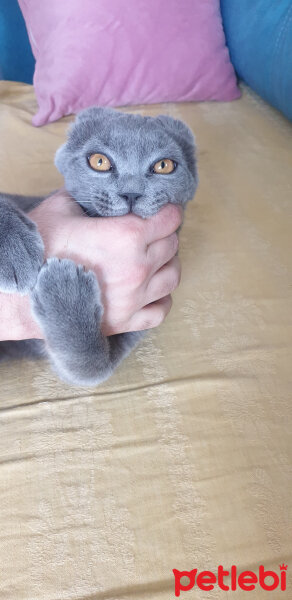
(66, 301)
(21, 252)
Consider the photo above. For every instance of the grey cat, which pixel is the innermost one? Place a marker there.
(113, 163)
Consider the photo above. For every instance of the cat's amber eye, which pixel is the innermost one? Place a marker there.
(164, 166)
(99, 162)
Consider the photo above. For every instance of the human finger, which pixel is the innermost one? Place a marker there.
(161, 252)
(164, 281)
(163, 223)
(152, 315)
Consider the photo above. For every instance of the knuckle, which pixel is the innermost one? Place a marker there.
(159, 312)
(159, 316)
(175, 216)
(140, 273)
(174, 242)
(167, 305)
(176, 278)
(129, 309)
(153, 320)
(172, 281)
(147, 324)
(135, 276)
(167, 287)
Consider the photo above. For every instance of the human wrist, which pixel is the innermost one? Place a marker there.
(17, 322)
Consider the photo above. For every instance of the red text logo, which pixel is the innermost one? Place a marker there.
(246, 580)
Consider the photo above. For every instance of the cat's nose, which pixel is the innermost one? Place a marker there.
(130, 198)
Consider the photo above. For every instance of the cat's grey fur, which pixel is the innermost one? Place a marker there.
(66, 299)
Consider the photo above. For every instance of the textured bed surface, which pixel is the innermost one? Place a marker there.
(181, 460)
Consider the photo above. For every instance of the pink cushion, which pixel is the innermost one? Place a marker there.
(126, 52)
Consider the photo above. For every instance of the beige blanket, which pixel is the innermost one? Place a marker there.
(182, 459)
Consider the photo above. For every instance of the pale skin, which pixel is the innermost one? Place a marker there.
(134, 259)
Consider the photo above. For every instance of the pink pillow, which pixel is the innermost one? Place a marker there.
(126, 52)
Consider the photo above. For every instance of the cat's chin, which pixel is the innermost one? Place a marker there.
(140, 211)
(145, 212)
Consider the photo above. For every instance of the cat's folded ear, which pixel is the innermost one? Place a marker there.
(184, 136)
(178, 128)
(86, 123)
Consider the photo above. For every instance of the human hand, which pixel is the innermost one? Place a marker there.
(134, 259)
